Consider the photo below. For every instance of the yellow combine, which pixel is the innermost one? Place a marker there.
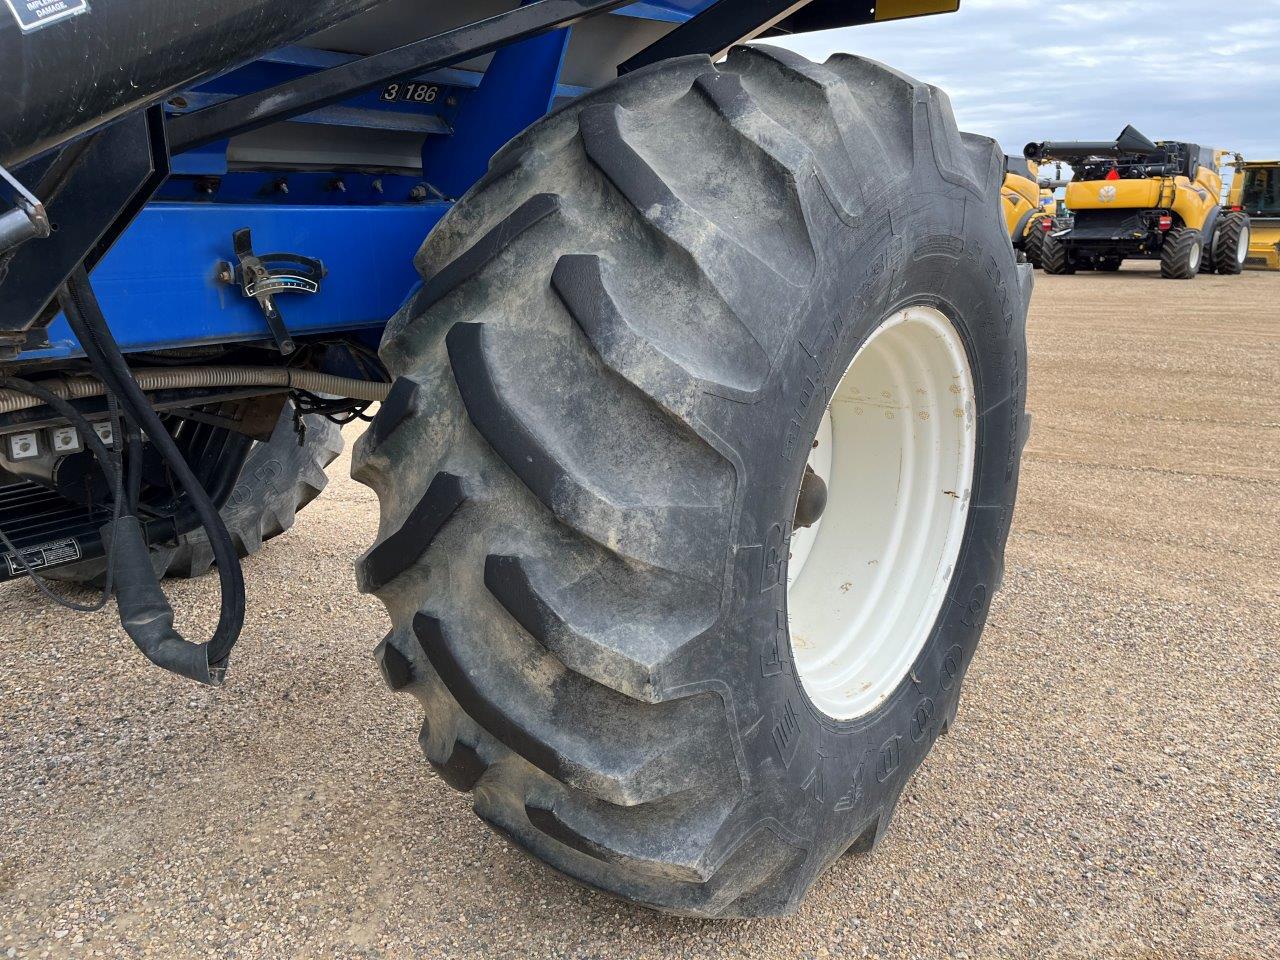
(1132, 198)
(1255, 192)
(1028, 207)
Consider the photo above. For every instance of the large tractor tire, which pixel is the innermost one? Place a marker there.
(1231, 243)
(1055, 258)
(279, 478)
(613, 410)
(1180, 254)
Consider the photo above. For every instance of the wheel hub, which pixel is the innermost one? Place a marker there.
(812, 500)
(869, 570)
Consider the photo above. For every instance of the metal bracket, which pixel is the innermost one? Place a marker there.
(717, 28)
(92, 190)
(262, 277)
(26, 221)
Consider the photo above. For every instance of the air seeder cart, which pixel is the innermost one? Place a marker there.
(700, 385)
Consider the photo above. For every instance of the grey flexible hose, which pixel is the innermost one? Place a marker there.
(192, 378)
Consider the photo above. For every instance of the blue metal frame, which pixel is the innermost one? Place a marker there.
(158, 284)
(669, 11)
(367, 111)
(519, 86)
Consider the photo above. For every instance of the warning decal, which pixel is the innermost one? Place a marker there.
(45, 555)
(34, 14)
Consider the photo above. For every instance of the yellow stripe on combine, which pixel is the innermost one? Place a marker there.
(1264, 245)
(901, 9)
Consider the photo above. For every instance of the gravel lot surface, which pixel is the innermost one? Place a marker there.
(1111, 788)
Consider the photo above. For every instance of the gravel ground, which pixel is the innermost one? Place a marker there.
(1111, 788)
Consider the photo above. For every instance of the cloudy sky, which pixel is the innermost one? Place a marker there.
(1019, 70)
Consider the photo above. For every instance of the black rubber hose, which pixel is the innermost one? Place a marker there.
(88, 324)
(145, 613)
(133, 464)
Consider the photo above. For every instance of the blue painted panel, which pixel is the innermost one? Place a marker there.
(157, 284)
(518, 88)
(158, 289)
(284, 66)
(285, 189)
(448, 76)
(672, 11)
(366, 110)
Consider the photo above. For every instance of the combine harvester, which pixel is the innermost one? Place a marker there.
(1255, 192)
(1029, 207)
(701, 372)
(1132, 199)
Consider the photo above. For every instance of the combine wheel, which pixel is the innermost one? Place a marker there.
(1180, 254)
(1054, 256)
(697, 473)
(1033, 246)
(1231, 243)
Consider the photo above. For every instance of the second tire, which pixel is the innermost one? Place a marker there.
(610, 392)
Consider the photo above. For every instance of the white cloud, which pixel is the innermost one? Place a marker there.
(1022, 70)
(1073, 14)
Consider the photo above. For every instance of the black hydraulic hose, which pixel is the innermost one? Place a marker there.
(145, 613)
(133, 476)
(168, 649)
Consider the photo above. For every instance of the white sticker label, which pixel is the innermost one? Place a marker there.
(45, 555)
(34, 14)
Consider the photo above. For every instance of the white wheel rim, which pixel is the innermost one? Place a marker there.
(1194, 258)
(1242, 246)
(896, 447)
